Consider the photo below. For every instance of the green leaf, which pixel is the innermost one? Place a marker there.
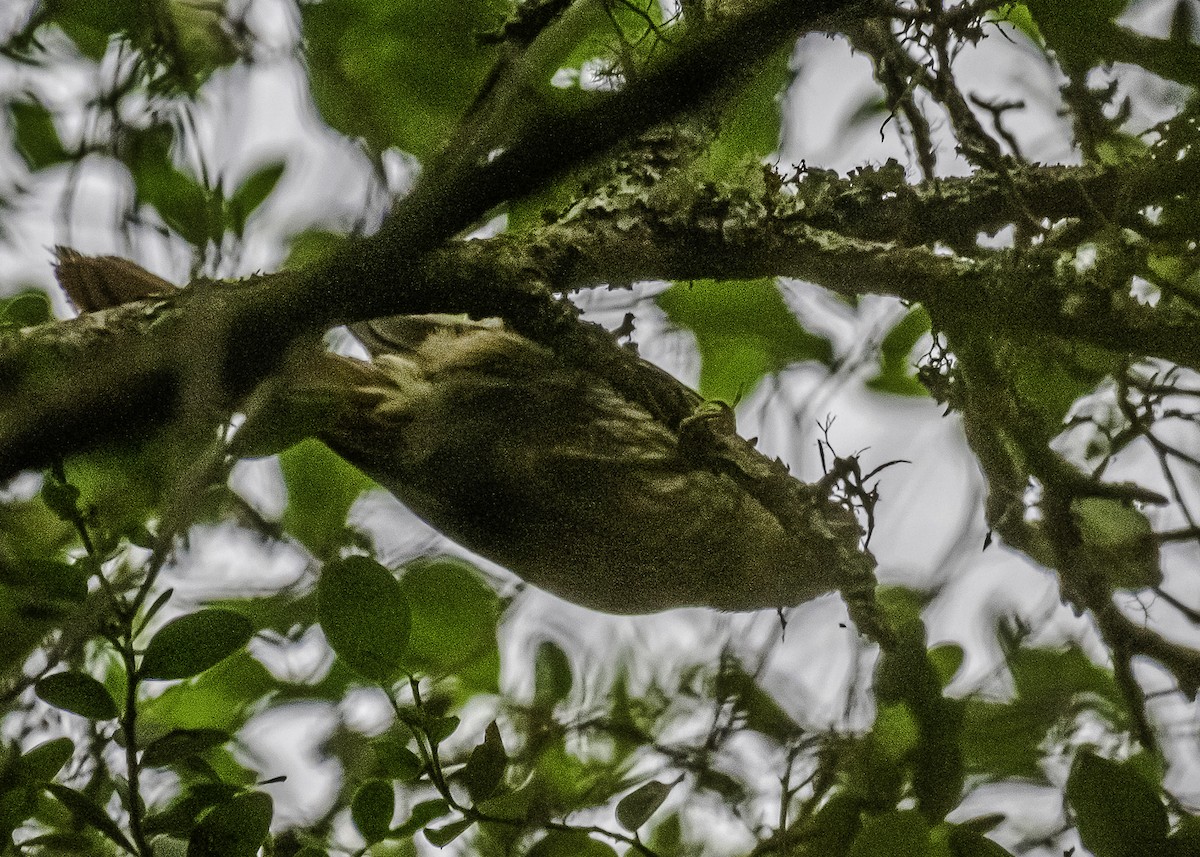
(190, 209)
(233, 829)
(544, 204)
(620, 36)
(901, 833)
(182, 41)
(454, 618)
(442, 836)
(90, 813)
(744, 331)
(422, 814)
(252, 193)
(61, 498)
(18, 803)
(967, 842)
(39, 764)
(219, 698)
(750, 122)
(895, 373)
(1170, 269)
(486, 765)
(1117, 542)
(1050, 374)
(35, 136)
(92, 25)
(1120, 148)
(180, 817)
(25, 309)
(1117, 813)
(190, 644)
(281, 611)
(1079, 31)
(551, 675)
(365, 616)
(946, 659)
(905, 674)
(836, 824)
(896, 731)
(78, 693)
(202, 40)
(761, 711)
(1000, 740)
(570, 843)
(394, 760)
(120, 486)
(1057, 680)
(635, 808)
(321, 487)
(310, 247)
(372, 809)
(1018, 15)
(179, 744)
(872, 109)
(397, 72)
(873, 777)
(440, 728)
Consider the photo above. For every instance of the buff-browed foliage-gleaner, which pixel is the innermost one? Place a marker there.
(548, 470)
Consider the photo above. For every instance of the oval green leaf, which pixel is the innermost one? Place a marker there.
(394, 760)
(744, 330)
(39, 764)
(365, 616)
(179, 744)
(635, 808)
(35, 136)
(233, 829)
(551, 675)
(486, 765)
(253, 192)
(454, 619)
(570, 843)
(1116, 811)
(90, 814)
(423, 813)
(443, 836)
(25, 309)
(77, 693)
(946, 660)
(372, 809)
(189, 645)
(321, 488)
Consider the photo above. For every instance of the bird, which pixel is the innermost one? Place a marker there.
(550, 470)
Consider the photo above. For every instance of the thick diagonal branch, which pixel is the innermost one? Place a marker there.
(234, 338)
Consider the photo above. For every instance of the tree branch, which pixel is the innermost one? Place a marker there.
(824, 230)
(235, 337)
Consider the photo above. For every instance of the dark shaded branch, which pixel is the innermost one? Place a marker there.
(234, 338)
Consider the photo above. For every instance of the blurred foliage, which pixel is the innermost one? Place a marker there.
(896, 363)
(744, 331)
(583, 764)
(179, 43)
(749, 119)
(397, 73)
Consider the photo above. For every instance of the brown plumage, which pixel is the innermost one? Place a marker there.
(548, 471)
